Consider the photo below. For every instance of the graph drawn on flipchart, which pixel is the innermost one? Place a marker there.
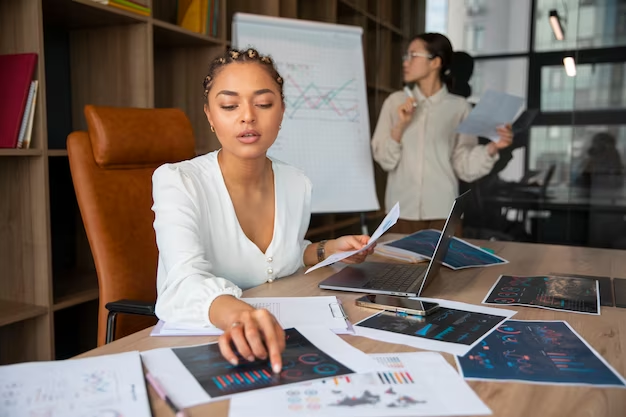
(325, 130)
(73, 389)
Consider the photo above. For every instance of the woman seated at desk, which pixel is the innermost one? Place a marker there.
(234, 218)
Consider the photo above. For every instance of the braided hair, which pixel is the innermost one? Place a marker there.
(243, 55)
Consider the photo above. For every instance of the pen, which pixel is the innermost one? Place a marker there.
(408, 92)
(179, 412)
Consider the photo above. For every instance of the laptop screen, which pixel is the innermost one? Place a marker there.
(441, 250)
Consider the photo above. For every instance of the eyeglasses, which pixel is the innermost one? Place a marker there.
(409, 56)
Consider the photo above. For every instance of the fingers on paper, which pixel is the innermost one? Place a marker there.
(241, 343)
(226, 350)
(273, 336)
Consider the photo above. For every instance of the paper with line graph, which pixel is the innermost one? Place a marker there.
(538, 352)
(454, 328)
(103, 386)
(325, 130)
(414, 384)
(421, 245)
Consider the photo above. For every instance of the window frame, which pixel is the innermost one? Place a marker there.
(538, 60)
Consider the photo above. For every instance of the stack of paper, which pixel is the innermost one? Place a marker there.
(289, 311)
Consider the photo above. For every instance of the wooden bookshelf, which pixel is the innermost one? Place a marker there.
(90, 53)
(13, 312)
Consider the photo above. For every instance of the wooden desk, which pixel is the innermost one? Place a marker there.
(606, 333)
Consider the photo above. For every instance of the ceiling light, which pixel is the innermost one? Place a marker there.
(570, 66)
(557, 28)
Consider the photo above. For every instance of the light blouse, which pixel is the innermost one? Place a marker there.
(203, 251)
(423, 168)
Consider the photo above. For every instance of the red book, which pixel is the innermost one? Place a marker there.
(16, 73)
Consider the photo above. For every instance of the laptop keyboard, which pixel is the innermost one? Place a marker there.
(394, 277)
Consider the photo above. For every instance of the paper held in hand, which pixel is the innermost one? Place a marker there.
(390, 219)
(494, 109)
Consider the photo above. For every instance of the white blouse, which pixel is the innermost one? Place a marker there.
(204, 253)
(423, 168)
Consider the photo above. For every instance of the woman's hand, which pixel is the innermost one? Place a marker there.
(349, 243)
(406, 110)
(253, 333)
(405, 113)
(504, 141)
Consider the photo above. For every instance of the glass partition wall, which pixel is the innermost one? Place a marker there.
(562, 181)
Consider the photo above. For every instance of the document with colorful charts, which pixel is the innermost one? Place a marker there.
(198, 374)
(413, 384)
(102, 386)
(421, 245)
(390, 219)
(572, 294)
(538, 352)
(454, 328)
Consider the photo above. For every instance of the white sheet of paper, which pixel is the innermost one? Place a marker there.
(289, 311)
(110, 385)
(436, 345)
(494, 109)
(414, 384)
(185, 391)
(390, 219)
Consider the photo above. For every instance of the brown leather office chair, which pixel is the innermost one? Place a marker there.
(112, 166)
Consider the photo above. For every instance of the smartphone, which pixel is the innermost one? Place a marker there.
(397, 304)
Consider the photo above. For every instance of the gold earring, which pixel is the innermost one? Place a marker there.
(212, 129)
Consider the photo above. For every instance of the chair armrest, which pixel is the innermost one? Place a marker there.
(144, 308)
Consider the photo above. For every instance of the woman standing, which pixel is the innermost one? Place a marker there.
(416, 142)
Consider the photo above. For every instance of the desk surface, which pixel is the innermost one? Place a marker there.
(606, 333)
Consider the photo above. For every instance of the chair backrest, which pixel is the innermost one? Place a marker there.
(112, 166)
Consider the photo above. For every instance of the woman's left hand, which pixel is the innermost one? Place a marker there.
(504, 141)
(349, 243)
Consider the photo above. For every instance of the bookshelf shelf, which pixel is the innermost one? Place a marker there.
(79, 14)
(168, 34)
(57, 152)
(21, 152)
(13, 312)
(357, 9)
(74, 287)
(391, 27)
(89, 53)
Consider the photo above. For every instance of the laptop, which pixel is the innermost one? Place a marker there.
(398, 279)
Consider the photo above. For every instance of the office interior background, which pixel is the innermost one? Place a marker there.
(93, 54)
(577, 140)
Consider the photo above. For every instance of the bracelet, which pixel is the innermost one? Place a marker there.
(321, 253)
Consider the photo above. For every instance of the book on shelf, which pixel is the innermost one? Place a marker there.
(26, 129)
(17, 98)
(200, 16)
(134, 6)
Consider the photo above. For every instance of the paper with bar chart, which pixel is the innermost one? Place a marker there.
(325, 130)
(198, 374)
(414, 384)
(538, 352)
